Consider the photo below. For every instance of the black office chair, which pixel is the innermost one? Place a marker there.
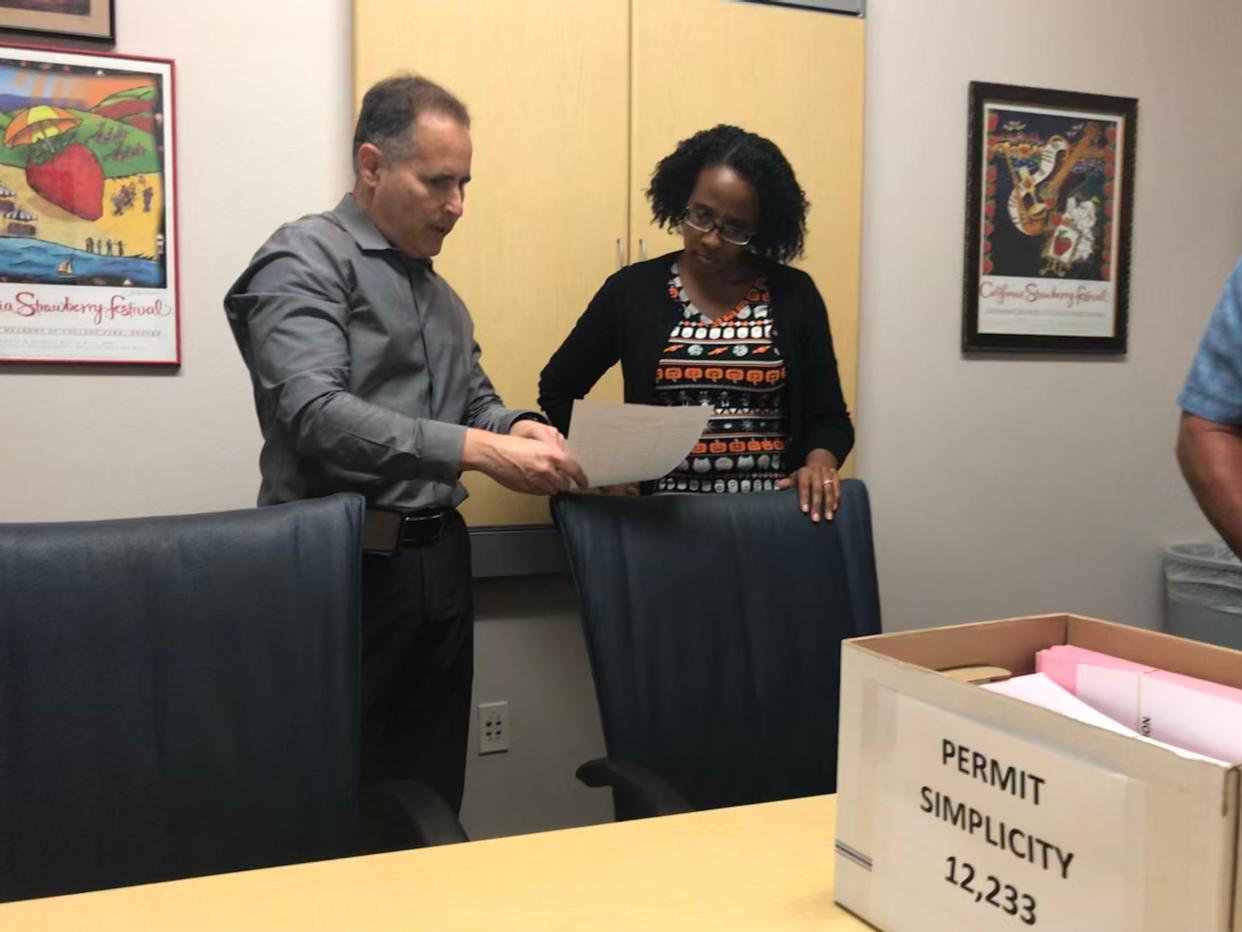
(713, 625)
(179, 696)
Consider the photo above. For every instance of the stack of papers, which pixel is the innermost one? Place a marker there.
(1104, 682)
(1039, 689)
(1194, 717)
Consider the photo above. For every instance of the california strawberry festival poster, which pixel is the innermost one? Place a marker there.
(88, 272)
(1049, 202)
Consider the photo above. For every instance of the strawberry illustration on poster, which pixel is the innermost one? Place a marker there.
(87, 215)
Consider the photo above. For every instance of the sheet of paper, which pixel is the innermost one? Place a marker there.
(1039, 690)
(620, 443)
(1200, 720)
(1113, 691)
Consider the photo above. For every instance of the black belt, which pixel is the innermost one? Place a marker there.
(387, 530)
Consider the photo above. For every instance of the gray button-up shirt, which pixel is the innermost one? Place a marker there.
(365, 369)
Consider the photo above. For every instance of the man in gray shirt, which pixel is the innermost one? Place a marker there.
(366, 378)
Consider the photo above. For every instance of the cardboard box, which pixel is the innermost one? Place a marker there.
(960, 808)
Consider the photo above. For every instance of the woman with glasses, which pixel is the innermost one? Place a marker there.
(724, 322)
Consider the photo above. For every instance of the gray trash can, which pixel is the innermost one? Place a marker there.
(1203, 593)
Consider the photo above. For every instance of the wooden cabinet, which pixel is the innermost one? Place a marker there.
(572, 103)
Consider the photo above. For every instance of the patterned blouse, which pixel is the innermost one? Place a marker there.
(731, 364)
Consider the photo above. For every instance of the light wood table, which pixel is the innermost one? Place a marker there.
(764, 867)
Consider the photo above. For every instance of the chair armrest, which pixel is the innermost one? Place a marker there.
(637, 792)
(399, 814)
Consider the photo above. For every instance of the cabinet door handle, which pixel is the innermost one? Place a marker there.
(642, 249)
(620, 254)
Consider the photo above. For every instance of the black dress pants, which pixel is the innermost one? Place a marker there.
(418, 664)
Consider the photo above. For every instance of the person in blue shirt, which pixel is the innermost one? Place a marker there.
(1209, 442)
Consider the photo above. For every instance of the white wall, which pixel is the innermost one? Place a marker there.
(999, 486)
(529, 652)
(1008, 486)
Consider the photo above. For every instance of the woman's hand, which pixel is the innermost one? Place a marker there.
(630, 488)
(818, 484)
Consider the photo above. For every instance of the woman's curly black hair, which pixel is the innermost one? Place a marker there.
(782, 202)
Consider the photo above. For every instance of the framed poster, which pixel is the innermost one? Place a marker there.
(88, 270)
(1049, 201)
(76, 19)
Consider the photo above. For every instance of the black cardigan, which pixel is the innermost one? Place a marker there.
(630, 319)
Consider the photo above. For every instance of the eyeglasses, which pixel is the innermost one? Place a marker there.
(702, 219)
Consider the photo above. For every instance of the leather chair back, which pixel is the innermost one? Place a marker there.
(713, 626)
(178, 695)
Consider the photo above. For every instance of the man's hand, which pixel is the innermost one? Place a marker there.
(536, 467)
(537, 430)
(1210, 455)
(818, 485)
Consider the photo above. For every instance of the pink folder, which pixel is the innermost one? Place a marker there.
(1060, 664)
(1185, 711)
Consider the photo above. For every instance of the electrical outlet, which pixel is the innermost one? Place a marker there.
(493, 727)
